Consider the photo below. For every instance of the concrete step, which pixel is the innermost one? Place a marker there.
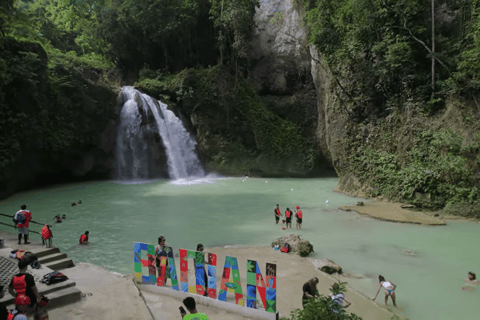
(41, 252)
(52, 257)
(59, 264)
(63, 297)
(58, 298)
(43, 289)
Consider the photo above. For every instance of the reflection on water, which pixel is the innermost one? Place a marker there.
(428, 264)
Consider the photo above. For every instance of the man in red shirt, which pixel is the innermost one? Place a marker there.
(84, 238)
(23, 218)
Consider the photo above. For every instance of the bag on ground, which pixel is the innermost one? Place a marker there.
(285, 248)
(53, 277)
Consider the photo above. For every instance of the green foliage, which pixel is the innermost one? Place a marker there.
(436, 166)
(235, 130)
(234, 21)
(47, 109)
(321, 308)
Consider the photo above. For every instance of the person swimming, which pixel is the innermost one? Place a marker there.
(389, 287)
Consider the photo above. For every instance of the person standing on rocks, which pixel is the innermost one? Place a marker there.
(299, 216)
(309, 291)
(277, 213)
(22, 218)
(288, 218)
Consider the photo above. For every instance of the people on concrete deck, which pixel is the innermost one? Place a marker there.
(84, 238)
(160, 252)
(338, 297)
(309, 290)
(22, 218)
(276, 212)
(191, 306)
(22, 287)
(299, 216)
(389, 287)
(288, 218)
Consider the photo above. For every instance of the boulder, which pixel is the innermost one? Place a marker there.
(301, 247)
(327, 266)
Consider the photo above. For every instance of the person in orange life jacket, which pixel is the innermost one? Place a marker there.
(298, 215)
(201, 248)
(84, 238)
(23, 288)
(25, 216)
(46, 235)
(288, 218)
(277, 213)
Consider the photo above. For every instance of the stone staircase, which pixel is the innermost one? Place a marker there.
(50, 259)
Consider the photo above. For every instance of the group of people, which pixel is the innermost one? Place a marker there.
(288, 217)
(22, 220)
(310, 292)
(27, 299)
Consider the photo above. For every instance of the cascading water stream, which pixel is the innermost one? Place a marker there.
(136, 155)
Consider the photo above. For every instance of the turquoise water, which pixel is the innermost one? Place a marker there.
(217, 211)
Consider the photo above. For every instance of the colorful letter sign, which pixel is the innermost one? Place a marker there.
(231, 286)
(255, 283)
(144, 263)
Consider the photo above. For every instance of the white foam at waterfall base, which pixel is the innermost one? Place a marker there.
(211, 178)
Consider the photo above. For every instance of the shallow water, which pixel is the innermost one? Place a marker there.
(216, 211)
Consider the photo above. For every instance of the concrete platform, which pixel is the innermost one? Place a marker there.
(51, 259)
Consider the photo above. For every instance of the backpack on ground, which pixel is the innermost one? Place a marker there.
(53, 277)
(285, 248)
(29, 256)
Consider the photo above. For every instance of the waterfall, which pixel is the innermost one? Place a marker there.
(142, 119)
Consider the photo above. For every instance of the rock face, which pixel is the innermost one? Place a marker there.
(301, 247)
(280, 47)
(327, 266)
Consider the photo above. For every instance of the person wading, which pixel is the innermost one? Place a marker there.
(299, 216)
(84, 238)
(288, 218)
(389, 287)
(277, 213)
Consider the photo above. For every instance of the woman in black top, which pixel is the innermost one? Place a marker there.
(309, 290)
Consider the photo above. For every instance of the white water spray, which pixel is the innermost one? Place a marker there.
(134, 156)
